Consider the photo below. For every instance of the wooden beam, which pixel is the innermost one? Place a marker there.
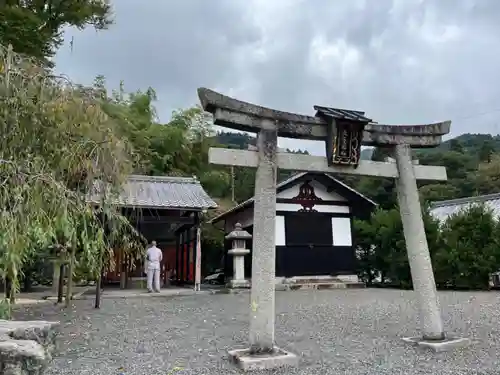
(166, 220)
(308, 163)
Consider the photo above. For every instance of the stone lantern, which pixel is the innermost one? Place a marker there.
(238, 251)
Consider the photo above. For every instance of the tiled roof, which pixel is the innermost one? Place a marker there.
(283, 183)
(441, 210)
(159, 192)
(341, 114)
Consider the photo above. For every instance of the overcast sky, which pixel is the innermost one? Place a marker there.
(401, 61)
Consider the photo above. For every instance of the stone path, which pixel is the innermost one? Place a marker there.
(43, 294)
(334, 331)
(140, 293)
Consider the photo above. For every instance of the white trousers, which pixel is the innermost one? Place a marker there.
(154, 274)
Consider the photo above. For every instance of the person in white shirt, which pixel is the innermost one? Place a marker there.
(154, 257)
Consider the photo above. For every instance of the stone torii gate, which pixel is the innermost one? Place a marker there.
(344, 131)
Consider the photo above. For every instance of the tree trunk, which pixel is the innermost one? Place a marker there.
(98, 286)
(69, 287)
(60, 289)
(55, 276)
(27, 283)
(9, 293)
(129, 266)
(98, 293)
(123, 270)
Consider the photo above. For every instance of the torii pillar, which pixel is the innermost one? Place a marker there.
(344, 132)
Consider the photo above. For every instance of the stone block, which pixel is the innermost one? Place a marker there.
(239, 284)
(445, 345)
(253, 362)
(26, 348)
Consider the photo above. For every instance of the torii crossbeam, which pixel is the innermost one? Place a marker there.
(344, 132)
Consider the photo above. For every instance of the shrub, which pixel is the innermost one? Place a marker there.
(381, 248)
(470, 251)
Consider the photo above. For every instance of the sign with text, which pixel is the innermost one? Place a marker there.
(347, 144)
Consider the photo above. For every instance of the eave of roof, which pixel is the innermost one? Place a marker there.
(443, 209)
(461, 201)
(342, 114)
(284, 183)
(158, 192)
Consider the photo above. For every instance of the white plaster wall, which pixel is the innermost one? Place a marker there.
(279, 226)
(348, 278)
(319, 190)
(245, 217)
(341, 229)
(320, 208)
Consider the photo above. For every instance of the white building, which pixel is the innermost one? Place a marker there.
(443, 209)
(314, 213)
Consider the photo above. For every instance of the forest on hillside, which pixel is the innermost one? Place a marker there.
(59, 137)
(472, 162)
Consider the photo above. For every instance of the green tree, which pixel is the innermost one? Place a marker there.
(364, 244)
(35, 27)
(486, 151)
(381, 247)
(470, 250)
(487, 177)
(438, 192)
(46, 163)
(456, 146)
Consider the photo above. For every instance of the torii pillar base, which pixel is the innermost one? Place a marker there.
(445, 345)
(239, 284)
(248, 361)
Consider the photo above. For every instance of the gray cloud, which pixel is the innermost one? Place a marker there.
(402, 61)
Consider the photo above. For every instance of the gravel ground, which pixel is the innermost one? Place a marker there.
(335, 332)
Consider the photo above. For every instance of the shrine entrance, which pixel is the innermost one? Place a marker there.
(344, 132)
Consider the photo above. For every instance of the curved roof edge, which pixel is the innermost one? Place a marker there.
(157, 192)
(283, 185)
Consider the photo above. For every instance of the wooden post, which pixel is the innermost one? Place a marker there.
(197, 255)
(55, 276)
(181, 273)
(8, 288)
(60, 289)
(69, 286)
(98, 285)
(128, 265)
(164, 266)
(123, 269)
(177, 257)
(188, 254)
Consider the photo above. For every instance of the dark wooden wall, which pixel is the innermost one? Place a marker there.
(308, 251)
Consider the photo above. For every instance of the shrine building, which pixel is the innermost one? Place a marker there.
(313, 228)
(166, 210)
